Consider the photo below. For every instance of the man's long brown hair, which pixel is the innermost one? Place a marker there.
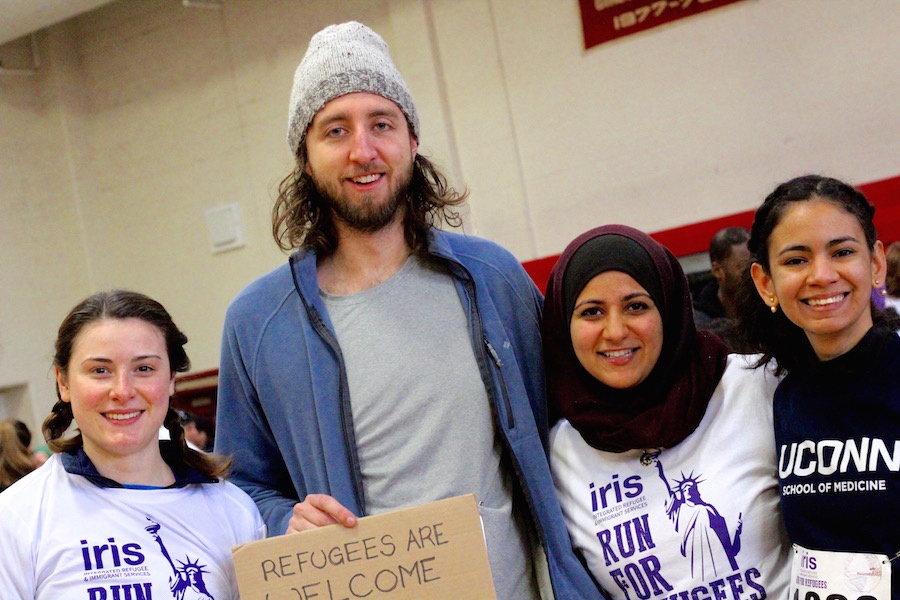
(301, 216)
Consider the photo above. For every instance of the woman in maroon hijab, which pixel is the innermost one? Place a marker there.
(664, 457)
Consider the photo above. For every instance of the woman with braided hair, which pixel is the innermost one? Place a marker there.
(77, 527)
(809, 310)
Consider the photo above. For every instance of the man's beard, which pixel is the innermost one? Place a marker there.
(363, 214)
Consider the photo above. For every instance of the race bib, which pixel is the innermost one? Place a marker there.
(820, 574)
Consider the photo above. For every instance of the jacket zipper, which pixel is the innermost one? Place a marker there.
(478, 329)
(510, 418)
(346, 415)
(518, 474)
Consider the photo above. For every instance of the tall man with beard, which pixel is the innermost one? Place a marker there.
(389, 363)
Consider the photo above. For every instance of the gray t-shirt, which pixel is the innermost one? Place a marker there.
(423, 424)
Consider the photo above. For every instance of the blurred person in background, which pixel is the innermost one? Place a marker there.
(196, 431)
(15, 461)
(714, 304)
(40, 453)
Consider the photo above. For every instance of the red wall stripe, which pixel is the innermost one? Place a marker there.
(694, 238)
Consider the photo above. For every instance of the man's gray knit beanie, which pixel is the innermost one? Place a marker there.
(342, 59)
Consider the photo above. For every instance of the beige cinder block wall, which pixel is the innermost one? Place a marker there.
(145, 113)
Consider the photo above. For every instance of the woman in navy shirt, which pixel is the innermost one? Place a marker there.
(816, 264)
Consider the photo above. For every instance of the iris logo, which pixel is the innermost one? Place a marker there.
(615, 491)
(106, 556)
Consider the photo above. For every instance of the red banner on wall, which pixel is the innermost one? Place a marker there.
(605, 20)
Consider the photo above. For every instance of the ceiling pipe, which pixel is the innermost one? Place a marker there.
(35, 61)
(215, 4)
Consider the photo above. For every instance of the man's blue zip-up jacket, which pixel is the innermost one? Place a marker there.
(283, 398)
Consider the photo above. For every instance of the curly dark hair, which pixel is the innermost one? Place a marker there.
(124, 304)
(773, 334)
(301, 218)
(892, 280)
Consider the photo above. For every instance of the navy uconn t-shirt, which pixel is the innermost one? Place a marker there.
(837, 428)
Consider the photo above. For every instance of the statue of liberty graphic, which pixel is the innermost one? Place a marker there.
(187, 581)
(705, 538)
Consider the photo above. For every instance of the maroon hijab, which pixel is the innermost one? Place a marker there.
(668, 405)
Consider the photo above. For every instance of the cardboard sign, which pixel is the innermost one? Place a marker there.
(431, 551)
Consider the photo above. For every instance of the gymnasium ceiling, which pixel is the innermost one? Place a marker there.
(19, 18)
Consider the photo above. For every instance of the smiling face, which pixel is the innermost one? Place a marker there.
(118, 382)
(821, 274)
(360, 157)
(617, 330)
